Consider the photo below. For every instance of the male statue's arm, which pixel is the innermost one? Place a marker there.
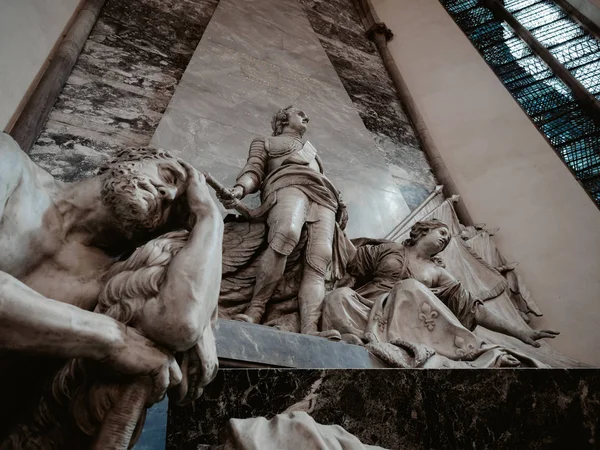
(30, 322)
(252, 175)
(187, 302)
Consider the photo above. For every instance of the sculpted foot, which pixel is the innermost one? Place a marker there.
(243, 318)
(332, 335)
(350, 338)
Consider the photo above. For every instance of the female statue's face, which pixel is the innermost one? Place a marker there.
(436, 240)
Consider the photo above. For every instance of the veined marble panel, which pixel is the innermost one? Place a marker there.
(408, 409)
(254, 58)
(366, 80)
(121, 84)
(285, 40)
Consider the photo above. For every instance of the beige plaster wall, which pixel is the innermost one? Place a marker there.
(589, 8)
(29, 30)
(507, 174)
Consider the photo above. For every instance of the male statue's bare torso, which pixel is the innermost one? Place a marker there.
(57, 242)
(33, 245)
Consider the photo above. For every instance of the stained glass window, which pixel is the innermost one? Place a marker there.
(550, 104)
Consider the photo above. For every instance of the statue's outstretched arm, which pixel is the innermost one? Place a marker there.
(187, 302)
(31, 322)
(252, 175)
(490, 320)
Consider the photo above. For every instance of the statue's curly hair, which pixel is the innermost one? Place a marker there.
(73, 409)
(134, 155)
(421, 228)
(280, 120)
(120, 187)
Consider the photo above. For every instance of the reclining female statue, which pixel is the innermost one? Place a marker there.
(405, 294)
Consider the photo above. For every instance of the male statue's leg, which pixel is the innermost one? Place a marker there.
(310, 300)
(285, 222)
(319, 251)
(269, 271)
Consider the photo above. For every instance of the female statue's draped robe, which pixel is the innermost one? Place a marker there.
(390, 306)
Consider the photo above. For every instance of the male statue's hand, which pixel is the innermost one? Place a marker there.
(197, 193)
(228, 198)
(341, 216)
(135, 355)
(237, 192)
(199, 366)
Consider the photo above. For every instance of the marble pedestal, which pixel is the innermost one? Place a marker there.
(241, 344)
(408, 409)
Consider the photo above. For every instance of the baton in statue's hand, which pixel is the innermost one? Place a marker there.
(224, 193)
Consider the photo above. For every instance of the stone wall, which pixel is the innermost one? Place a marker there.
(137, 53)
(366, 80)
(29, 31)
(122, 82)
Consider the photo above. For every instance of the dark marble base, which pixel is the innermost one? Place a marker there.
(409, 409)
(242, 344)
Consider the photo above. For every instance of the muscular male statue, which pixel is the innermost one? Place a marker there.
(294, 194)
(58, 240)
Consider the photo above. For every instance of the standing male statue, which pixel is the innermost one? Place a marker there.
(294, 194)
(59, 240)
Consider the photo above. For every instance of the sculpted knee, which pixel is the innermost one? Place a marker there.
(325, 252)
(284, 239)
(292, 231)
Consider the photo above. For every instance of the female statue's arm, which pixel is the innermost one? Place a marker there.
(488, 319)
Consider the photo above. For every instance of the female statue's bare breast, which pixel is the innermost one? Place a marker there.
(426, 272)
(392, 268)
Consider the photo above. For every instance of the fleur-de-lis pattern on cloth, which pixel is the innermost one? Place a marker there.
(428, 315)
(464, 350)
